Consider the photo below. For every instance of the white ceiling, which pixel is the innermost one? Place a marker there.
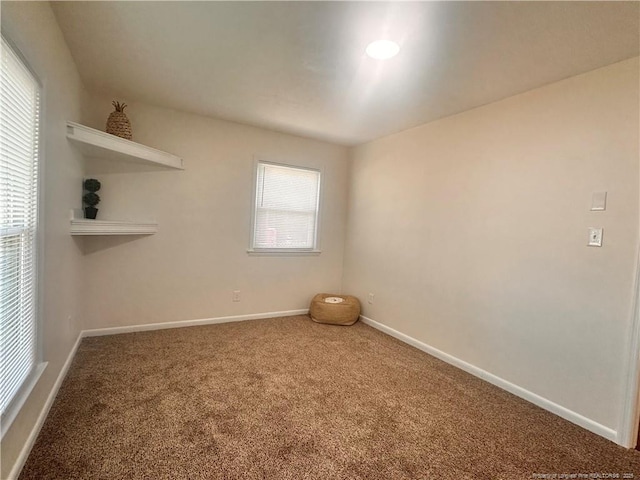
(300, 67)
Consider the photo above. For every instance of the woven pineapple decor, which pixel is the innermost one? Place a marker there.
(118, 124)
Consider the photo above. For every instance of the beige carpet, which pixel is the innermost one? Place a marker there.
(286, 398)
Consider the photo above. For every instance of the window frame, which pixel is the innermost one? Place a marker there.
(39, 365)
(282, 251)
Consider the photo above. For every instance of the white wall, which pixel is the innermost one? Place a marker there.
(33, 29)
(471, 231)
(189, 269)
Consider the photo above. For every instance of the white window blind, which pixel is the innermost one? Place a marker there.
(19, 130)
(286, 208)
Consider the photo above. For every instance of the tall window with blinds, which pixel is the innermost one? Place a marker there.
(19, 131)
(286, 208)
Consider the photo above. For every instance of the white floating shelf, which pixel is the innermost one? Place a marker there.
(95, 143)
(110, 227)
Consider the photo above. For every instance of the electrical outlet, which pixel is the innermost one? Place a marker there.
(370, 299)
(236, 296)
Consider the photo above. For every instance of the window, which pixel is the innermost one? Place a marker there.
(286, 209)
(19, 130)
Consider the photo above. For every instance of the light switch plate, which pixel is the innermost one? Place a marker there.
(595, 237)
(599, 201)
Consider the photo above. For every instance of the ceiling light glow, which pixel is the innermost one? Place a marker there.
(382, 49)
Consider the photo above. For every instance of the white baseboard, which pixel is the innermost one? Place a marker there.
(26, 448)
(96, 332)
(542, 402)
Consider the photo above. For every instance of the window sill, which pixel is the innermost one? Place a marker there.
(14, 408)
(282, 252)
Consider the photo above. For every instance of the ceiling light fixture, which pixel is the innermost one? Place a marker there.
(382, 49)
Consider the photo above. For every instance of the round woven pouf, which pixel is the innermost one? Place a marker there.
(334, 309)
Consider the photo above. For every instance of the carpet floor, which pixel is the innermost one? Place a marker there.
(287, 398)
